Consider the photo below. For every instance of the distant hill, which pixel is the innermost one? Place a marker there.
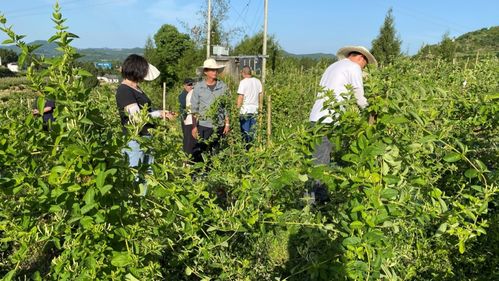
(114, 54)
(90, 54)
(312, 56)
(484, 41)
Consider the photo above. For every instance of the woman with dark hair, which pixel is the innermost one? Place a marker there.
(131, 100)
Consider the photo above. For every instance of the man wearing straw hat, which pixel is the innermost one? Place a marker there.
(347, 71)
(209, 123)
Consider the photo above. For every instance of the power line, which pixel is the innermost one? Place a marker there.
(257, 19)
(241, 17)
(36, 8)
(63, 9)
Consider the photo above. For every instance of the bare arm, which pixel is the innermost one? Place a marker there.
(239, 101)
(358, 88)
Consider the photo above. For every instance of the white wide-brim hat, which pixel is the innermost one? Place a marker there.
(152, 73)
(211, 64)
(343, 53)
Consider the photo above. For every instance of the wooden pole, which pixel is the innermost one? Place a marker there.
(264, 72)
(164, 97)
(208, 31)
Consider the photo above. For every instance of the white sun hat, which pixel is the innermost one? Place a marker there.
(152, 73)
(211, 64)
(343, 53)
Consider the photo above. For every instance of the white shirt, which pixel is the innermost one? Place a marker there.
(249, 88)
(335, 78)
(188, 119)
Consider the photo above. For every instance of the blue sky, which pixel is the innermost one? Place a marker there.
(299, 26)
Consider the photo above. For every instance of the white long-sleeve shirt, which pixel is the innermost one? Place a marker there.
(335, 78)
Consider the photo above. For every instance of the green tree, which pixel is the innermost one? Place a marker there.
(220, 35)
(386, 47)
(8, 56)
(447, 47)
(254, 46)
(90, 81)
(171, 46)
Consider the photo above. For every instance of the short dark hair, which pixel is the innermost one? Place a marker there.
(134, 68)
(246, 70)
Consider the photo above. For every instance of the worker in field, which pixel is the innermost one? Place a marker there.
(186, 117)
(346, 72)
(131, 100)
(209, 105)
(47, 112)
(248, 93)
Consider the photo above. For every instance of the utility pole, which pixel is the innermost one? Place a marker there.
(264, 72)
(208, 32)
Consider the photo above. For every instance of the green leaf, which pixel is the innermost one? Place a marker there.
(105, 189)
(130, 277)
(389, 193)
(441, 229)
(87, 208)
(74, 188)
(481, 165)
(7, 41)
(471, 173)
(86, 222)
(55, 208)
(461, 246)
(121, 259)
(374, 236)
(358, 208)
(84, 73)
(452, 157)
(9, 275)
(443, 205)
(303, 178)
(354, 240)
(356, 225)
(89, 196)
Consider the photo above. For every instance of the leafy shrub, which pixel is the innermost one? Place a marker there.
(411, 197)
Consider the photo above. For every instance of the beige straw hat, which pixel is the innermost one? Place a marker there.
(343, 53)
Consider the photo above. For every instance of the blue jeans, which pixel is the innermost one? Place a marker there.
(247, 123)
(137, 157)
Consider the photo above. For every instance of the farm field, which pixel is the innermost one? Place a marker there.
(413, 196)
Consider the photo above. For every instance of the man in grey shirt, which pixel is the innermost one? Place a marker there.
(209, 109)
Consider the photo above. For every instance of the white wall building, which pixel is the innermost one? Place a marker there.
(13, 67)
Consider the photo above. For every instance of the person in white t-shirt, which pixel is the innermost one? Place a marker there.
(347, 71)
(248, 92)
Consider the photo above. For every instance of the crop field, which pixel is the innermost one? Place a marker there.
(413, 196)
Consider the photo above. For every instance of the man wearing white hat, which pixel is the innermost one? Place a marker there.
(347, 71)
(205, 95)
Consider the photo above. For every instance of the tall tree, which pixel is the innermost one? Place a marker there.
(150, 51)
(386, 47)
(254, 46)
(8, 56)
(220, 34)
(447, 47)
(171, 45)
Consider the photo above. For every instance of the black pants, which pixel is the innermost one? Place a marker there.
(189, 141)
(208, 141)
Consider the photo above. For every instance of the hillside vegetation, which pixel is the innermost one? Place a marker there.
(484, 42)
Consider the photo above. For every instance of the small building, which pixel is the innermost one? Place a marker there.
(234, 64)
(13, 67)
(103, 65)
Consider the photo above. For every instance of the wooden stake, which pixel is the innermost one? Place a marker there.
(164, 97)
